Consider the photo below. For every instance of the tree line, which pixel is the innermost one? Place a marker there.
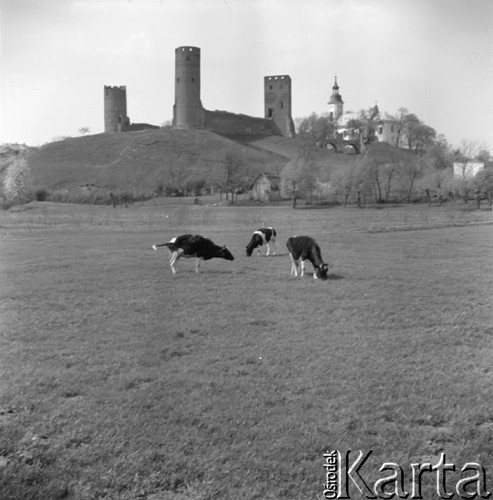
(417, 166)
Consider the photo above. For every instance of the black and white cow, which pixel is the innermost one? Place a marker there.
(263, 235)
(193, 245)
(303, 248)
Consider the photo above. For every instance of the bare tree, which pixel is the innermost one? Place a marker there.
(389, 172)
(299, 177)
(347, 180)
(464, 159)
(84, 130)
(384, 169)
(235, 173)
(178, 174)
(411, 169)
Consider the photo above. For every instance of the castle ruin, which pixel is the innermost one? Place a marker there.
(188, 112)
(115, 109)
(277, 103)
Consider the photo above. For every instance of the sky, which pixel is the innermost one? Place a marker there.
(432, 57)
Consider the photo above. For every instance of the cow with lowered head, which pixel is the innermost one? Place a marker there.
(263, 235)
(305, 248)
(193, 245)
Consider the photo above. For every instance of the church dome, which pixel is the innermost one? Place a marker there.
(335, 98)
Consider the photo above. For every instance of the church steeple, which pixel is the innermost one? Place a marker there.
(336, 104)
(335, 87)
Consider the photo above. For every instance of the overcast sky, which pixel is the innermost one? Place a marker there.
(433, 57)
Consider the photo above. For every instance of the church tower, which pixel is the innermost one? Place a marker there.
(336, 104)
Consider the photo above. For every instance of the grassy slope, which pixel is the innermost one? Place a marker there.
(141, 159)
(119, 380)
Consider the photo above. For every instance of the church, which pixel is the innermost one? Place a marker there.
(382, 130)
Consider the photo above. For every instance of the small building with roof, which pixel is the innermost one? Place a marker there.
(265, 187)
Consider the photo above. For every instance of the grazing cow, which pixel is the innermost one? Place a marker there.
(302, 248)
(193, 245)
(263, 235)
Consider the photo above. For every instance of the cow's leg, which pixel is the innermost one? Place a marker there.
(274, 245)
(198, 261)
(172, 261)
(268, 249)
(177, 254)
(294, 266)
(302, 268)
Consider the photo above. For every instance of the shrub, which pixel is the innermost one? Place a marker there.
(16, 182)
(160, 189)
(40, 195)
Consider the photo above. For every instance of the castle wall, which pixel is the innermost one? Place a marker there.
(227, 123)
(277, 103)
(115, 109)
(187, 111)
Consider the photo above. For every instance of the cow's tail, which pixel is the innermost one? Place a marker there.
(154, 247)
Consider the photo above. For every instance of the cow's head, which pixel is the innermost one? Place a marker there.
(254, 243)
(322, 271)
(226, 254)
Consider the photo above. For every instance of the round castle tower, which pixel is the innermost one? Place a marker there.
(187, 111)
(115, 109)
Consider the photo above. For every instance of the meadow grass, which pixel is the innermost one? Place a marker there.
(119, 380)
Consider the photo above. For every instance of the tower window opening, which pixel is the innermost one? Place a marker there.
(177, 80)
(282, 105)
(269, 112)
(380, 129)
(187, 58)
(193, 79)
(270, 87)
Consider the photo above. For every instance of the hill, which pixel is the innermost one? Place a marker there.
(142, 160)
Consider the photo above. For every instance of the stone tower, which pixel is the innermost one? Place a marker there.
(336, 104)
(115, 109)
(277, 103)
(187, 111)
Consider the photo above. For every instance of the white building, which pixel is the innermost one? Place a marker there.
(384, 130)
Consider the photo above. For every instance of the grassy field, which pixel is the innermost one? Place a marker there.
(119, 380)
